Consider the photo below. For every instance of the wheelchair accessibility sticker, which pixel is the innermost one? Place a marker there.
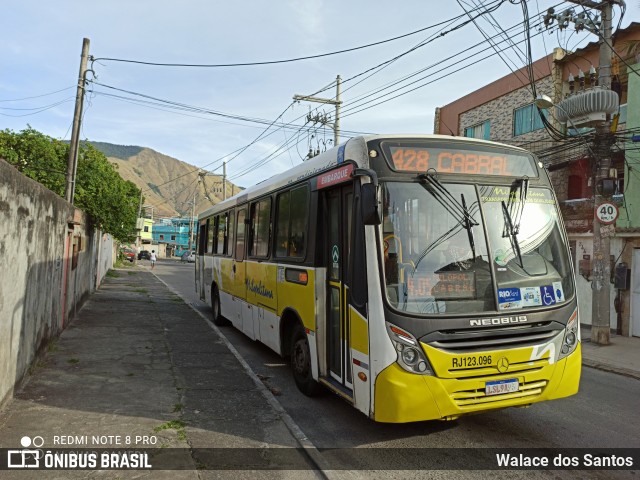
(545, 295)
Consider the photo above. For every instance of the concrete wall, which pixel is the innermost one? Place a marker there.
(50, 261)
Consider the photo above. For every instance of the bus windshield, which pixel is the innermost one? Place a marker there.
(438, 259)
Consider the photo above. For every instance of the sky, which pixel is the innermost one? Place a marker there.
(224, 112)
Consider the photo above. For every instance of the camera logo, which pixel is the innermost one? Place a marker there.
(26, 457)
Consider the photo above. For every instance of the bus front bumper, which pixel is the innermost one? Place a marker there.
(402, 397)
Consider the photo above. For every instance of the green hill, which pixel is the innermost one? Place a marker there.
(169, 185)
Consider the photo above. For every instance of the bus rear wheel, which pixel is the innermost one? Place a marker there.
(218, 319)
(301, 364)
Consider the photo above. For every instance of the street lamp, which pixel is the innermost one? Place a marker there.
(600, 290)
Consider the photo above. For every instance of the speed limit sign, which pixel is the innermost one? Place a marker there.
(607, 213)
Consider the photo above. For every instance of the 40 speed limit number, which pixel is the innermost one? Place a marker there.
(607, 213)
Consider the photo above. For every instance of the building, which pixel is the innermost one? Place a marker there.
(176, 234)
(504, 111)
(146, 233)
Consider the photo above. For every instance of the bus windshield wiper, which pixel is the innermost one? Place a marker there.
(515, 212)
(446, 199)
(467, 226)
(451, 205)
(509, 230)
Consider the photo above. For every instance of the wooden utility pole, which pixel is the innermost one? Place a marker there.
(72, 161)
(336, 102)
(224, 180)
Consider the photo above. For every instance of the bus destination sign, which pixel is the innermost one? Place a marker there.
(334, 177)
(468, 162)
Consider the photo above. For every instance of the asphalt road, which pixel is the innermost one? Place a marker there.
(604, 414)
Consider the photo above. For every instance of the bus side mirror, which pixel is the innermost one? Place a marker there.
(370, 205)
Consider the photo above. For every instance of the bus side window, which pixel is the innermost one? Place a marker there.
(259, 228)
(229, 235)
(291, 223)
(221, 232)
(202, 235)
(282, 224)
(299, 216)
(240, 235)
(211, 230)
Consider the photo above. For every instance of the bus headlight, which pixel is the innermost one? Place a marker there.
(410, 355)
(571, 336)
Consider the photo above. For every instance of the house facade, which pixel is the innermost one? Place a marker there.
(175, 234)
(146, 233)
(504, 111)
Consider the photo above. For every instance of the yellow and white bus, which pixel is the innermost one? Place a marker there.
(418, 277)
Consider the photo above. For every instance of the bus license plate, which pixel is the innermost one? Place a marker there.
(499, 387)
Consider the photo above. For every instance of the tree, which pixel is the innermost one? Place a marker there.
(110, 201)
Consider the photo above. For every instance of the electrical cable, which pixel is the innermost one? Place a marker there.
(238, 152)
(38, 96)
(270, 62)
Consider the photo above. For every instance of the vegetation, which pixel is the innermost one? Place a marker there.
(117, 151)
(110, 201)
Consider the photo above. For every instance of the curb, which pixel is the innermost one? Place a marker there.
(609, 368)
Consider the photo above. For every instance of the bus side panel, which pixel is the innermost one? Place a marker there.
(359, 330)
(224, 280)
(269, 328)
(382, 353)
(207, 275)
(297, 295)
(260, 282)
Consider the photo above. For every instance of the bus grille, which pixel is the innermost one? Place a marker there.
(470, 398)
(461, 341)
(519, 368)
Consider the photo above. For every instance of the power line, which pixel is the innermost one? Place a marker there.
(37, 96)
(173, 105)
(238, 152)
(39, 110)
(269, 62)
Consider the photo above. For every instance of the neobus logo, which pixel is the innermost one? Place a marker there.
(479, 322)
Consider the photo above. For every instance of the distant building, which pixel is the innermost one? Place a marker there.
(146, 234)
(175, 233)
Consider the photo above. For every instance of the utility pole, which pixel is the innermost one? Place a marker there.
(224, 180)
(191, 222)
(600, 288)
(139, 225)
(601, 266)
(72, 161)
(336, 102)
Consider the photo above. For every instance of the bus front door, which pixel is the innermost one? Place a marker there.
(338, 208)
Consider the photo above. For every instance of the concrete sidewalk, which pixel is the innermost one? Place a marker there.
(140, 362)
(621, 356)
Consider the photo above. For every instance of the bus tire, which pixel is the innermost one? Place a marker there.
(218, 319)
(301, 363)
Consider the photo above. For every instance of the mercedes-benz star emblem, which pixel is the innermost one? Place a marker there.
(503, 365)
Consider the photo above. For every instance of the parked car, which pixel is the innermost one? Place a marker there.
(129, 254)
(144, 255)
(188, 256)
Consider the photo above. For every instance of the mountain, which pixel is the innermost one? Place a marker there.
(168, 184)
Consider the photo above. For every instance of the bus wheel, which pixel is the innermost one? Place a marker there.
(218, 319)
(301, 364)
